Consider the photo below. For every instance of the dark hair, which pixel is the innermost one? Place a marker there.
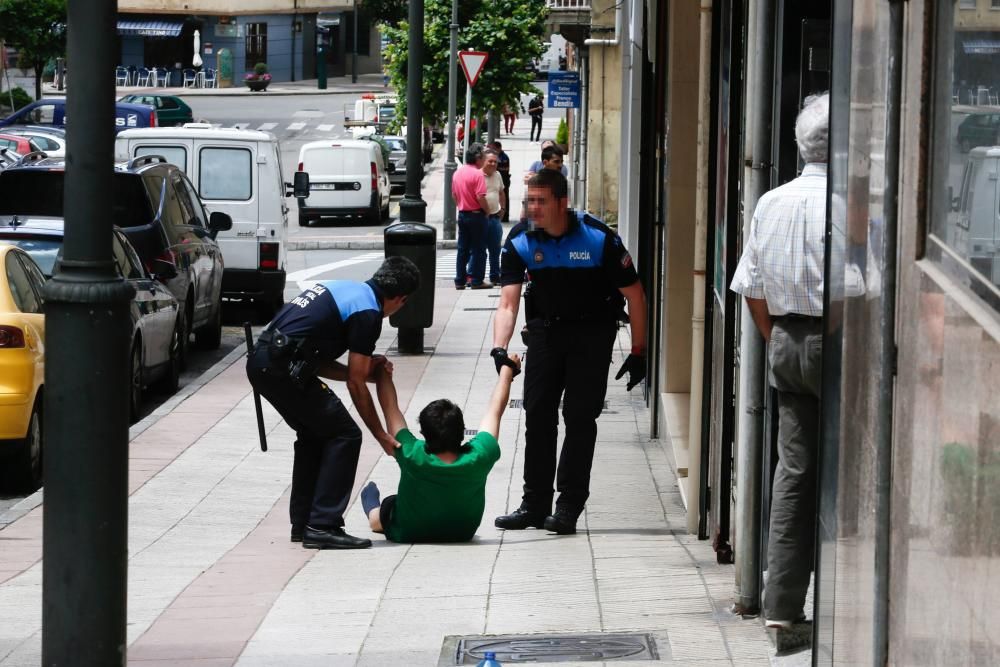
(551, 179)
(550, 152)
(490, 151)
(496, 144)
(398, 276)
(474, 152)
(442, 426)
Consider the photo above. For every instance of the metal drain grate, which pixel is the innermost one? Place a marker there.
(490, 308)
(518, 404)
(587, 647)
(471, 431)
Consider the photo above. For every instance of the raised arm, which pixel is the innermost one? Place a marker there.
(387, 398)
(506, 315)
(359, 368)
(498, 401)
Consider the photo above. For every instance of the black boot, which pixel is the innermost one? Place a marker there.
(332, 538)
(520, 519)
(563, 522)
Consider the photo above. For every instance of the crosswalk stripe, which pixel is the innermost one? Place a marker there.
(325, 127)
(296, 126)
(267, 126)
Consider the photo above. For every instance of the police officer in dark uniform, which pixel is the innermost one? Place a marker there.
(300, 345)
(581, 277)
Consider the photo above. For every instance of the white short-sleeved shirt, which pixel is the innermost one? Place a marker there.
(783, 258)
(494, 186)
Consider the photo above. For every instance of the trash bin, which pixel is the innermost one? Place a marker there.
(418, 243)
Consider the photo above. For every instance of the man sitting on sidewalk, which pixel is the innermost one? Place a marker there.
(442, 484)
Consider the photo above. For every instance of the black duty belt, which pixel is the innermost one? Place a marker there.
(798, 317)
(279, 340)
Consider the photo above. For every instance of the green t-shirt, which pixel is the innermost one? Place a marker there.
(438, 501)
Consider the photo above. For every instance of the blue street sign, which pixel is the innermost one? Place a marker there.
(564, 90)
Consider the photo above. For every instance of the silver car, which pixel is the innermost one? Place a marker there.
(397, 157)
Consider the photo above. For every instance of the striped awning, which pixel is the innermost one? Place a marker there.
(982, 47)
(150, 28)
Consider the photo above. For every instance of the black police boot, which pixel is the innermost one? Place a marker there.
(563, 522)
(297, 530)
(332, 538)
(520, 519)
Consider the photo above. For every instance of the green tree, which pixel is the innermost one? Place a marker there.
(387, 12)
(37, 29)
(510, 31)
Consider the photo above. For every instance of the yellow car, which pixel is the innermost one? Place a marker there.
(22, 370)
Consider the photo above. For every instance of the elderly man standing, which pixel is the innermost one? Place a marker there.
(781, 276)
(468, 186)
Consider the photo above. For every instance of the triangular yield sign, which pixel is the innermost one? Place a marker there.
(472, 64)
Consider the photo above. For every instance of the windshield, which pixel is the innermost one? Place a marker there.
(43, 251)
(396, 144)
(32, 192)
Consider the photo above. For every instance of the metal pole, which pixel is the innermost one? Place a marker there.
(581, 189)
(84, 566)
(751, 365)
(449, 163)
(354, 51)
(412, 208)
(468, 119)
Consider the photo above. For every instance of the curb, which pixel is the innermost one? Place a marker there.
(374, 244)
(29, 503)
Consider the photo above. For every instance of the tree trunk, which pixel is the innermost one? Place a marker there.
(39, 68)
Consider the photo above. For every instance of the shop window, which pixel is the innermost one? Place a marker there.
(967, 4)
(256, 44)
(965, 220)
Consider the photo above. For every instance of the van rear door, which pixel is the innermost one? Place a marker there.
(339, 176)
(227, 181)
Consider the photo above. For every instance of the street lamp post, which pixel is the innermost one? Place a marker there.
(88, 338)
(449, 163)
(354, 51)
(413, 208)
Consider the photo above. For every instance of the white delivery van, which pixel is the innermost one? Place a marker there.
(237, 172)
(347, 177)
(977, 224)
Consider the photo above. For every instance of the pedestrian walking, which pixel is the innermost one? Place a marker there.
(496, 201)
(509, 117)
(442, 479)
(503, 167)
(552, 158)
(780, 275)
(468, 187)
(303, 344)
(536, 108)
(581, 277)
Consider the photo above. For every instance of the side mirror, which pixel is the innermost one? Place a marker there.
(163, 270)
(301, 184)
(219, 222)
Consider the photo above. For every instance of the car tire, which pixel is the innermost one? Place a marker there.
(374, 216)
(209, 337)
(24, 473)
(135, 383)
(384, 213)
(171, 381)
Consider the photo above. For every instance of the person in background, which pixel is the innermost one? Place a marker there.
(496, 200)
(503, 166)
(468, 187)
(536, 109)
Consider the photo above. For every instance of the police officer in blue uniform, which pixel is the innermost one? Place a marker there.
(581, 277)
(300, 345)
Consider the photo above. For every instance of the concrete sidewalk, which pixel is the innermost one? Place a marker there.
(214, 581)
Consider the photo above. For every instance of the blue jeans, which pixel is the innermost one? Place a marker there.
(494, 239)
(472, 228)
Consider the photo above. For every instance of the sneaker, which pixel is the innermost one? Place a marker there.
(520, 519)
(459, 287)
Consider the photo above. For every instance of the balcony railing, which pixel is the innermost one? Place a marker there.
(568, 5)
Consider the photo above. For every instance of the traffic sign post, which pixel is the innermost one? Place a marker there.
(472, 64)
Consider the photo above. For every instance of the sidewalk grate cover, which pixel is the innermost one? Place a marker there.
(518, 404)
(587, 647)
(491, 308)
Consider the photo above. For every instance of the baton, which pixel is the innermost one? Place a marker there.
(256, 394)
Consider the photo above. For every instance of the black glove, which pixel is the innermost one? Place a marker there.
(635, 365)
(501, 359)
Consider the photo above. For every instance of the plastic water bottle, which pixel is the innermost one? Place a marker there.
(489, 661)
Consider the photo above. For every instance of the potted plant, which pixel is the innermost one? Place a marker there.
(258, 79)
(562, 136)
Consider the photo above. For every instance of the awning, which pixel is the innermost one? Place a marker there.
(151, 28)
(981, 47)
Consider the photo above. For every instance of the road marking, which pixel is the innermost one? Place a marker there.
(265, 127)
(326, 127)
(296, 126)
(303, 277)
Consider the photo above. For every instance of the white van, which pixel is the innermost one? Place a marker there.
(977, 224)
(346, 177)
(237, 172)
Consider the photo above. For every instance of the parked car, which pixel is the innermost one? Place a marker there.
(52, 111)
(156, 336)
(18, 144)
(52, 141)
(978, 129)
(159, 211)
(346, 177)
(237, 172)
(397, 159)
(170, 109)
(8, 158)
(22, 370)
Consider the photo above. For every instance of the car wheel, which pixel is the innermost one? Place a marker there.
(171, 381)
(24, 474)
(135, 383)
(374, 216)
(209, 337)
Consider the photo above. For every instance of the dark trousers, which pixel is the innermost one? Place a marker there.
(328, 440)
(568, 362)
(536, 124)
(471, 257)
(795, 354)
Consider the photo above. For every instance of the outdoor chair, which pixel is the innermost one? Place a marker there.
(121, 76)
(145, 77)
(210, 78)
(162, 75)
(190, 78)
